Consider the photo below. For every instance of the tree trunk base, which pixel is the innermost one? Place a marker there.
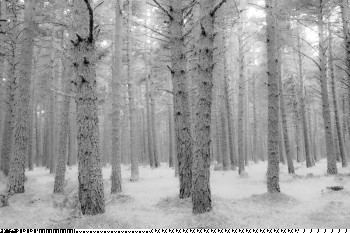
(4, 199)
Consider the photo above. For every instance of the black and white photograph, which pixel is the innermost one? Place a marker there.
(174, 114)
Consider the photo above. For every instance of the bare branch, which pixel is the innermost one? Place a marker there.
(217, 7)
(163, 9)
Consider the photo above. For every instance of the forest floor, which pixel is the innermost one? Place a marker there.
(238, 202)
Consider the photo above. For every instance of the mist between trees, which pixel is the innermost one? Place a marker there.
(181, 83)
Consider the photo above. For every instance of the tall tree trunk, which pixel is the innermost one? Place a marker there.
(30, 130)
(7, 137)
(331, 159)
(296, 117)
(308, 157)
(279, 48)
(149, 123)
(285, 128)
(344, 120)
(9, 92)
(225, 149)
(180, 82)
(20, 147)
(46, 134)
(346, 32)
(3, 26)
(116, 101)
(52, 152)
(255, 123)
(273, 157)
(63, 136)
(154, 126)
(171, 135)
(132, 106)
(339, 134)
(201, 194)
(38, 146)
(91, 193)
(240, 136)
(230, 123)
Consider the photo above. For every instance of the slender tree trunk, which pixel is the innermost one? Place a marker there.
(344, 120)
(309, 160)
(171, 140)
(229, 118)
(225, 149)
(255, 123)
(149, 123)
(52, 152)
(331, 159)
(116, 101)
(144, 136)
(63, 136)
(338, 135)
(273, 157)
(241, 157)
(132, 107)
(296, 117)
(346, 32)
(154, 126)
(38, 146)
(285, 128)
(46, 141)
(20, 148)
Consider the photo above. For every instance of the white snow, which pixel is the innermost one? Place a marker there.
(152, 202)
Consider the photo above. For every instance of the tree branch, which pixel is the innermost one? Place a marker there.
(163, 9)
(91, 28)
(217, 7)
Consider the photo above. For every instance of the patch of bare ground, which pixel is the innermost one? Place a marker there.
(272, 199)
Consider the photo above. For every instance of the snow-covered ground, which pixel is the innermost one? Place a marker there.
(152, 202)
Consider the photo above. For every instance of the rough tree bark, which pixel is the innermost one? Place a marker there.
(240, 133)
(149, 123)
(255, 123)
(51, 113)
(230, 122)
(183, 139)
(20, 146)
(309, 161)
(9, 108)
(171, 135)
(339, 133)
(346, 33)
(285, 128)
(132, 107)
(154, 126)
(201, 194)
(117, 70)
(296, 117)
(331, 158)
(91, 193)
(63, 136)
(273, 157)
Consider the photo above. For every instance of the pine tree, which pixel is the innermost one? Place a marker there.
(183, 139)
(63, 137)
(91, 193)
(116, 100)
(201, 193)
(331, 158)
(273, 156)
(21, 125)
